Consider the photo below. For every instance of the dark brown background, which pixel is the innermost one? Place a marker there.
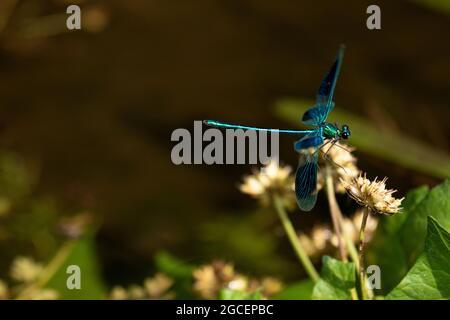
(93, 111)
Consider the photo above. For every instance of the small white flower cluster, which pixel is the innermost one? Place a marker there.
(271, 179)
(373, 194)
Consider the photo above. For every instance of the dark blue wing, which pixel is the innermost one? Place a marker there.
(311, 140)
(316, 115)
(306, 181)
(306, 175)
(324, 102)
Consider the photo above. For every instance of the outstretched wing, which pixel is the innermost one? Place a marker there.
(306, 175)
(324, 102)
(306, 181)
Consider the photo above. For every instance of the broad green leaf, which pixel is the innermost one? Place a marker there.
(229, 294)
(337, 278)
(413, 198)
(400, 239)
(413, 231)
(367, 138)
(325, 291)
(386, 252)
(429, 278)
(82, 254)
(297, 291)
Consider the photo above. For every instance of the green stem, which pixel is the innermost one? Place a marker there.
(352, 250)
(335, 212)
(362, 270)
(345, 244)
(292, 235)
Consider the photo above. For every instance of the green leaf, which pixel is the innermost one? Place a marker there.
(177, 269)
(81, 253)
(297, 291)
(437, 204)
(172, 266)
(400, 239)
(337, 278)
(229, 294)
(429, 278)
(413, 198)
(366, 137)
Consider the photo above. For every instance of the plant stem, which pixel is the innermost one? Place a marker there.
(354, 294)
(353, 253)
(335, 212)
(362, 269)
(292, 235)
(49, 271)
(345, 244)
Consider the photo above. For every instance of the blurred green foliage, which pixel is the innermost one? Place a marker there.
(246, 239)
(438, 5)
(82, 254)
(178, 270)
(25, 220)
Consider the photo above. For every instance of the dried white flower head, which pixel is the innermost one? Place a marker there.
(270, 286)
(322, 239)
(372, 194)
(158, 286)
(343, 165)
(210, 279)
(271, 179)
(118, 293)
(25, 269)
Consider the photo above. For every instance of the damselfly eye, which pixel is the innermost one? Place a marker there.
(345, 132)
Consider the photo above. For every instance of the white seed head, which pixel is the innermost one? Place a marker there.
(372, 194)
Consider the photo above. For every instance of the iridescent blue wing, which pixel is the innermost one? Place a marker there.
(324, 102)
(310, 140)
(306, 175)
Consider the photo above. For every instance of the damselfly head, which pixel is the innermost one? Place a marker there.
(345, 133)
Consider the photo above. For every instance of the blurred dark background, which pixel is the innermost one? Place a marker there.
(92, 111)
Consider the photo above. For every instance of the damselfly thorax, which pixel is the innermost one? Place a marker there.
(331, 131)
